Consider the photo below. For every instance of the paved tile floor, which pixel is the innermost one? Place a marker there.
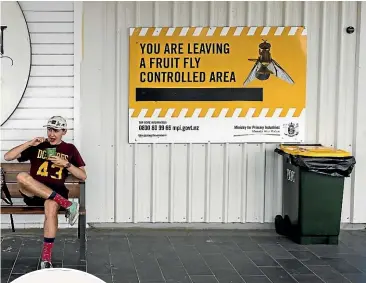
(132, 256)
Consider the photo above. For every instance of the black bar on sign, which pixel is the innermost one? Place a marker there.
(199, 94)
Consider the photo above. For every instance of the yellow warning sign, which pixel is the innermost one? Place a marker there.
(256, 73)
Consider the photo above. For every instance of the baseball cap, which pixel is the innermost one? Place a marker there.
(57, 122)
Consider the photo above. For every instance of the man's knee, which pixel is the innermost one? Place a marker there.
(23, 177)
(51, 208)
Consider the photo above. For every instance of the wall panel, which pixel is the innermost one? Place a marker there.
(233, 182)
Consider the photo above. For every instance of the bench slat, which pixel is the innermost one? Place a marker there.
(74, 190)
(16, 167)
(22, 209)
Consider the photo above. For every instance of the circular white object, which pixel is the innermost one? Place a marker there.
(16, 44)
(58, 275)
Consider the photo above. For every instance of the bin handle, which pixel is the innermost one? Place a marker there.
(302, 144)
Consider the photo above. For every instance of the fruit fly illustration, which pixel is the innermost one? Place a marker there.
(2, 45)
(265, 65)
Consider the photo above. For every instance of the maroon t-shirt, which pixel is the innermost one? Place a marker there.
(44, 170)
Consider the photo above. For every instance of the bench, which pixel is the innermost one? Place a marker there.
(76, 189)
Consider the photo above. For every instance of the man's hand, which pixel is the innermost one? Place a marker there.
(58, 161)
(37, 141)
(78, 172)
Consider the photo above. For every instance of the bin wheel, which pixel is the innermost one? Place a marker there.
(287, 225)
(279, 224)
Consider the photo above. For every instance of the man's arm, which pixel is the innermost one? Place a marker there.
(15, 152)
(77, 167)
(78, 172)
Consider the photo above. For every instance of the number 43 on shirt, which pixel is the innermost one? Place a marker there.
(43, 170)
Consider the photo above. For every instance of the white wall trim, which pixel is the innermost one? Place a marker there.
(359, 215)
(78, 57)
(97, 103)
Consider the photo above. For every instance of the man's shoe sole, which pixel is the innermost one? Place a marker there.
(72, 221)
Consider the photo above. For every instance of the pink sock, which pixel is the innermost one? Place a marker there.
(47, 251)
(62, 201)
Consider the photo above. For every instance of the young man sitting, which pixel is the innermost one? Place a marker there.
(45, 185)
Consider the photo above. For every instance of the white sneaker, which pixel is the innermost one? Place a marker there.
(46, 264)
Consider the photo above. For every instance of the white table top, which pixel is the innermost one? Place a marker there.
(58, 275)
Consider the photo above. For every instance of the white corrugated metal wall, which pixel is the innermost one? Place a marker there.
(214, 182)
(50, 89)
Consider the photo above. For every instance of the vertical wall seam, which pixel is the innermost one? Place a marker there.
(355, 97)
(153, 183)
(225, 211)
(339, 74)
(208, 183)
(229, 14)
(263, 182)
(117, 149)
(171, 183)
(136, 146)
(244, 184)
(104, 142)
(189, 187)
(321, 68)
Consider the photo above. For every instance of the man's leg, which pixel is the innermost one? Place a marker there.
(50, 229)
(28, 186)
(31, 187)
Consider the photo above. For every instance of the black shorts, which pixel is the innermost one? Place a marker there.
(38, 201)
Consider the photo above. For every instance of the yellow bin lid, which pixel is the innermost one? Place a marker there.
(314, 151)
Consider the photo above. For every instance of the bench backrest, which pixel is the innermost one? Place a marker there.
(11, 171)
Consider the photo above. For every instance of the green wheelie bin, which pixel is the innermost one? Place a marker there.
(313, 179)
